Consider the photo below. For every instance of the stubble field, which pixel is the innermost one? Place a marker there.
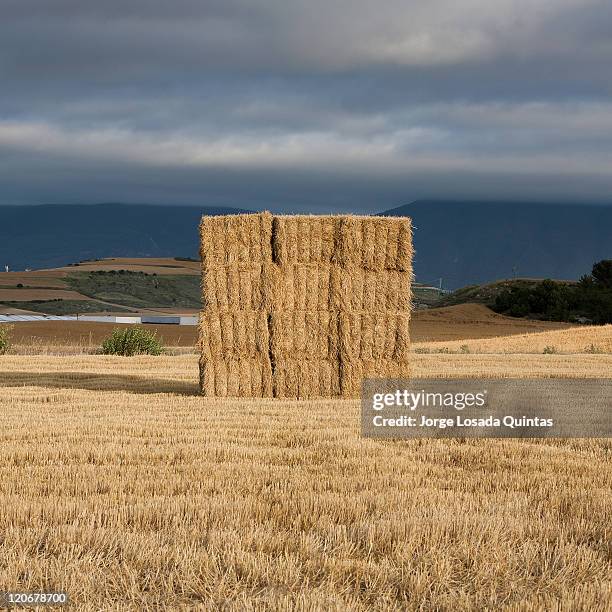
(123, 487)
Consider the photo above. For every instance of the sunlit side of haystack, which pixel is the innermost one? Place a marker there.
(303, 306)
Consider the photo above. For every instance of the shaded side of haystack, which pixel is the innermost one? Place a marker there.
(352, 373)
(234, 335)
(355, 289)
(303, 335)
(299, 379)
(236, 377)
(235, 239)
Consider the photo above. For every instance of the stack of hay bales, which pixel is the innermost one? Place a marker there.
(307, 305)
(236, 253)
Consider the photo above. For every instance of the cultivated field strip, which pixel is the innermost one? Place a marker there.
(123, 487)
(583, 339)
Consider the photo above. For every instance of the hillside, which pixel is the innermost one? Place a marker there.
(55, 235)
(462, 242)
(469, 243)
(108, 285)
(486, 293)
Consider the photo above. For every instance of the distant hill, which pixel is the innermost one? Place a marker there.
(463, 242)
(52, 236)
(106, 285)
(486, 294)
(469, 243)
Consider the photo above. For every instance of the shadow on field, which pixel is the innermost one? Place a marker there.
(97, 382)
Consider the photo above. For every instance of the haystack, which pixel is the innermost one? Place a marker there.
(303, 306)
(299, 379)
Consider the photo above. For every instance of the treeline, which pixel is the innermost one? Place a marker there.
(589, 300)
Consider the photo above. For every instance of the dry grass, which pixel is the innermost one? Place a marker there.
(472, 321)
(122, 486)
(589, 339)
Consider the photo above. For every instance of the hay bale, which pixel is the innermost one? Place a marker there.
(303, 306)
(352, 373)
(302, 287)
(367, 336)
(239, 287)
(235, 239)
(375, 243)
(234, 335)
(297, 379)
(355, 289)
(303, 335)
(236, 377)
(303, 238)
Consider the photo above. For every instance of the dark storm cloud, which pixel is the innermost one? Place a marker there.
(304, 105)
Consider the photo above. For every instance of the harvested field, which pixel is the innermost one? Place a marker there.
(161, 265)
(579, 339)
(472, 321)
(82, 337)
(461, 323)
(124, 487)
(25, 295)
(52, 279)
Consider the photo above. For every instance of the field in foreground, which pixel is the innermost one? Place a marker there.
(122, 486)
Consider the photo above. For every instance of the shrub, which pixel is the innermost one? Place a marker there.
(5, 338)
(132, 341)
(550, 350)
(593, 349)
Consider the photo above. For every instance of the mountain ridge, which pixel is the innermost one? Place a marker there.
(464, 242)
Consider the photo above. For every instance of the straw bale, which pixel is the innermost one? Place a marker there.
(302, 287)
(239, 287)
(355, 289)
(310, 335)
(298, 306)
(375, 243)
(240, 334)
(236, 377)
(232, 239)
(366, 336)
(352, 373)
(303, 239)
(297, 379)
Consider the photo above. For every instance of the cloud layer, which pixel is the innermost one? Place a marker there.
(335, 105)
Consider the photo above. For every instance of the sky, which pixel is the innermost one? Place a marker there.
(318, 105)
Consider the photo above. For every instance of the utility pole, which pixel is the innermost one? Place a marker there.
(440, 287)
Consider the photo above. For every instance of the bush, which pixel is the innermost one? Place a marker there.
(5, 338)
(550, 350)
(132, 341)
(590, 297)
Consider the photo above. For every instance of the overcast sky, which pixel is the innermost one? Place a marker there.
(305, 105)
